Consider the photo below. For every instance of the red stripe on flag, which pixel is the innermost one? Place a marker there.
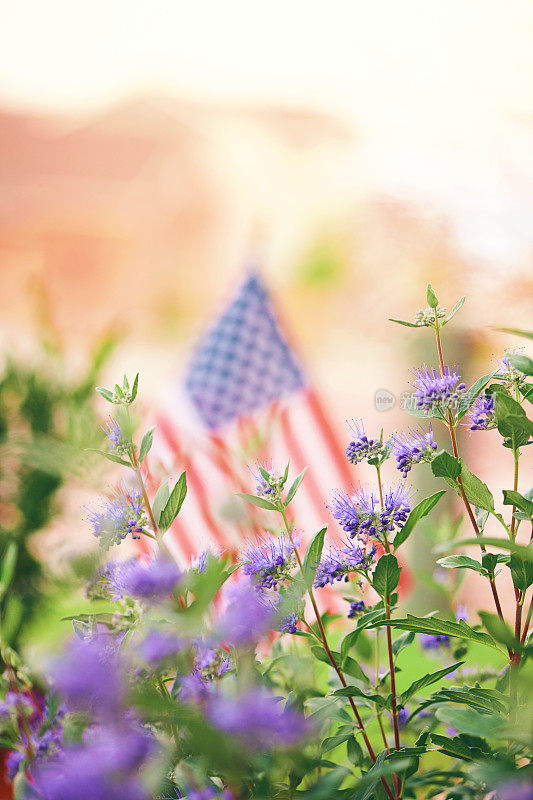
(329, 435)
(195, 482)
(295, 451)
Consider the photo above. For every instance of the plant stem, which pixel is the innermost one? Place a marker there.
(527, 622)
(392, 674)
(331, 657)
(378, 712)
(469, 511)
(142, 487)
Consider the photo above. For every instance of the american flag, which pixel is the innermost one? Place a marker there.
(245, 397)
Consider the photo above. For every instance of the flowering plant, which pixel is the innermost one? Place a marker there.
(226, 679)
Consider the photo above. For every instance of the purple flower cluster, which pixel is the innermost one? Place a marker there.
(270, 485)
(435, 390)
(481, 414)
(42, 732)
(432, 641)
(107, 763)
(118, 517)
(289, 624)
(152, 581)
(337, 564)
(356, 607)
(269, 561)
(115, 436)
(364, 516)
(361, 448)
(413, 447)
(248, 616)
(257, 719)
(158, 645)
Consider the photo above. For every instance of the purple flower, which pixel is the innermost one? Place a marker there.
(257, 719)
(397, 506)
(337, 564)
(117, 440)
(516, 790)
(269, 561)
(105, 767)
(248, 616)
(158, 645)
(413, 447)
(403, 716)
(461, 613)
(267, 484)
(200, 563)
(363, 515)
(194, 688)
(356, 608)
(432, 641)
(436, 391)
(508, 373)
(289, 624)
(151, 582)
(118, 517)
(362, 448)
(345, 512)
(481, 414)
(89, 677)
(13, 762)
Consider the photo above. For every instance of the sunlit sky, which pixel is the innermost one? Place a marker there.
(425, 81)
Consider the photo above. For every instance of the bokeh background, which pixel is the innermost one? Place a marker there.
(151, 151)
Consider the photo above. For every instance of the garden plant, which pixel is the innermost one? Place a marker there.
(229, 679)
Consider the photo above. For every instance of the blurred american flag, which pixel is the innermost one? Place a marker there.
(245, 397)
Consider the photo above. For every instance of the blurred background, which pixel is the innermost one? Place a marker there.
(151, 151)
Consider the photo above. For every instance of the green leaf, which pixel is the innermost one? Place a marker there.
(446, 466)
(313, 556)
(294, 488)
(431, 297)
(427, 680)
(521, 572)
(419, 511)
(473, 723)
(146, 444)
(9, 562)
(490, 561)
(134, 388)
(174, 503)
(386, 575)
(160, 500)
(505, 544)
(521, 362)
(454, 311)
(511, 421)
(470, 396)
(498, 629)
(334, 741)
(462, 562)
(455, 747)
(403, 322)
(516, 332)
(110, 457)
(512, 498)
(484, 699)
(355, 691)
(258, 501)
(458, 630)
(402, 641)
(476, 491)
(105, 393)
